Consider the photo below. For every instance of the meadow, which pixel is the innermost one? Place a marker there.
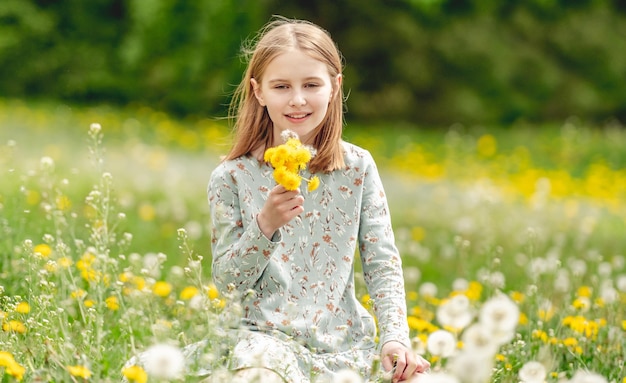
(513, 243)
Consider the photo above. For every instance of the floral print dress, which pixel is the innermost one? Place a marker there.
(301, 317)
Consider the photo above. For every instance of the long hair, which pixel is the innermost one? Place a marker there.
(253, 128)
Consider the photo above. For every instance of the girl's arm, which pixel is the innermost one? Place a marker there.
(382, 265)
(240, 250)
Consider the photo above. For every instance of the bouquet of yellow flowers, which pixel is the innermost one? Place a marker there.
(289, 159)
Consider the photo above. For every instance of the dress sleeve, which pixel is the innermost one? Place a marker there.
(239, 249)
(382, 265)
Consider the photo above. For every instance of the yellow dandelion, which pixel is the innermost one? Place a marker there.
(162, 288)
(63, 203)
(188, 293)
(135, 374)
(11, 367)
(32, 197)
(112, 303)
(212, 291)
(22, 308)
(147, 212)
(584, 291)
(89, 303)
(78, 294)
(314, 183)
(65, 262)
(79, 371)
(288, 160)
(218, 303)
(43, 250)
(14, 326)
(51, 267)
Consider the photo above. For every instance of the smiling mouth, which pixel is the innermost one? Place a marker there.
(298, 116)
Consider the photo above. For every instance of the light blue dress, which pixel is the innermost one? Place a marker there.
(301, 317)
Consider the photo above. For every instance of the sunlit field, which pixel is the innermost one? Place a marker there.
(513, 243)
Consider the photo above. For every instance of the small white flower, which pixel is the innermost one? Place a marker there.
(441, 343)
(163, 361)
(532, 372)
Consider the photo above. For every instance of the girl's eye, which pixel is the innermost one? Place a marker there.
(280, 86)
(311, 85)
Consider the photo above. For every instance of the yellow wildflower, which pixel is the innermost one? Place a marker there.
(11, 367)
(188, 293)
(65, 262)
(135, 374)
(112, 303)
(162, 288)
(43, 250)
(89, 302)
(79, 371)
(22, 308)
(314, 183)
(212, 291)
(288, 160)
(14, 326)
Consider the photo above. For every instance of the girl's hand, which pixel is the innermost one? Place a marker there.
(280, 207)
(402, 361)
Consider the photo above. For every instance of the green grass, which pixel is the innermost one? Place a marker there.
(536, 212)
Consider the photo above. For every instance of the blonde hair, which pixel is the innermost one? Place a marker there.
(253, 128)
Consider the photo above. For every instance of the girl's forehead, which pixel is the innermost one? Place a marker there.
(296, 62)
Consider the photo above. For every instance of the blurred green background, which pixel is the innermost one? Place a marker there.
(427, 62)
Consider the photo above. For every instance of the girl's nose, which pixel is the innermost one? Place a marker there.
(297, 99)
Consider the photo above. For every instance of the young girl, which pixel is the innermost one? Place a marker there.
(290, 254)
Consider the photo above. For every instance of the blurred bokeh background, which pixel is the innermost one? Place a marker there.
(426, 62)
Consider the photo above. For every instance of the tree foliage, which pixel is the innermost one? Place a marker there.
(430, 62)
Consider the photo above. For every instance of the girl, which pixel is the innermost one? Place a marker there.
(290, 254)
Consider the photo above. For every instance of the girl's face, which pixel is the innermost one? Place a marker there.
(296, 89)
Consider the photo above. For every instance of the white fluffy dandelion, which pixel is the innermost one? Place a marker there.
(500, 315)
(478, 339)
(441, 343)
(347, 376)
(587, 377)
(435, 377)
(470, 367)
(163, 361)
(532, 372)
(455, 313)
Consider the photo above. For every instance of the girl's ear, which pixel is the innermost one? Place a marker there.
(336, 85)
(256, 88)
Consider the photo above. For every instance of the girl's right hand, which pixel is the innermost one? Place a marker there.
(280, 207)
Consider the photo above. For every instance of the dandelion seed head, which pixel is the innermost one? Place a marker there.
(441, 343)
(582, 376)
(163, 361)
(46, 163)
(532, 372)
(436, 377)
(471, 367)
(428, 289)
(347, 376)
(455, 312)
(95, 128)
(479, 339)
(500, 313)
